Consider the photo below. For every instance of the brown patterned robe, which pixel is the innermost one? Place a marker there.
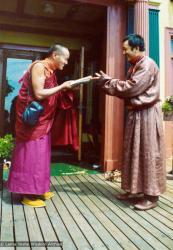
(144, 166)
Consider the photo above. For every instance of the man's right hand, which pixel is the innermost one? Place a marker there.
(101, 76)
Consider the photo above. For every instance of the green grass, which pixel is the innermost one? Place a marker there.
(60, 169)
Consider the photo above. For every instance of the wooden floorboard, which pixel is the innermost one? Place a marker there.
(34, 230)
(145, 220)
(103, 213)
(87, 231)
(85, 214)
(141, 236)
(58, 224)
(7, 234)
(73, 229)
(91, 219)
(20, 227)
(46, 227)
(88, 217)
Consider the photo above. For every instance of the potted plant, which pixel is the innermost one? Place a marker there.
(6, 147)
(167, 109)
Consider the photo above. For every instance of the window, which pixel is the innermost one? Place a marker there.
(172, 44)
(14, 61)
(14, 71)
(154, 35)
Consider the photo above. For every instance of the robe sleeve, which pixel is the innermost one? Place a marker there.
(136, 85)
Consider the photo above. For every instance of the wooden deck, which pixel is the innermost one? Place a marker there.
(84, 214)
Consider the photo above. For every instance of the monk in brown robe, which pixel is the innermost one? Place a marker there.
(143, 170)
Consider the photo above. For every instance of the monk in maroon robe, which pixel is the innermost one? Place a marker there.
(30, 171)
(143, 170)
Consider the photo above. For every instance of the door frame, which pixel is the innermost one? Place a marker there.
(112, 131)
(113, 127)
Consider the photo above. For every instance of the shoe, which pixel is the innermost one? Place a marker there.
(127, 196)
(151, 198)
(33, 202)
(145, 205)
(47, 195)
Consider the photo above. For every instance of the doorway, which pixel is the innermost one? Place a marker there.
(89, 108)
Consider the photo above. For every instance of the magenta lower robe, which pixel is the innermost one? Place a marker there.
(30, 170)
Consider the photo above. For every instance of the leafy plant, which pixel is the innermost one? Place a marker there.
(6, 146)
(167, 105)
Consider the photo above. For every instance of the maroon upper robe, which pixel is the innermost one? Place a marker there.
(62, 100)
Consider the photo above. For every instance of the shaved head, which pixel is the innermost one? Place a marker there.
(59, 49)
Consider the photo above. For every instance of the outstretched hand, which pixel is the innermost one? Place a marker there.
(101, 76)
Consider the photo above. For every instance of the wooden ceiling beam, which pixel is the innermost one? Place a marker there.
(42, 31)
(41, 19)
(20, 7)
(94, 3)
(98, 2)
(72, 11)
(68, 27)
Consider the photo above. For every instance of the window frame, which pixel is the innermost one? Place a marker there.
(13, 51)
(168, 62)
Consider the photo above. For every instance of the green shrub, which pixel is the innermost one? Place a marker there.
(6, 146)
(167, 107)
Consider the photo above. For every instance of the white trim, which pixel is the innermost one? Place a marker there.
(154, 3)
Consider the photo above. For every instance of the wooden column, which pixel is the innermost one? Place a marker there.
(141, 20)
(114, 108)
